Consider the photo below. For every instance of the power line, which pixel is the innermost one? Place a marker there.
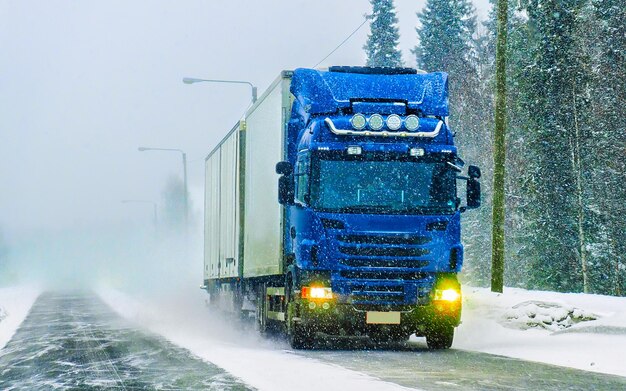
(342, 42)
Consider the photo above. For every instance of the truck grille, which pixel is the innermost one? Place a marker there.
(377, 294)
(381, 299)
(376, 264)
(385, 251)
(408, 240)
(382, 275)
(393, 263)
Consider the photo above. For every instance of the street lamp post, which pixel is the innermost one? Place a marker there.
(186, 195)
(192, 80)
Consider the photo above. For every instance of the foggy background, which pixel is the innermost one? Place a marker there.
(84, 83)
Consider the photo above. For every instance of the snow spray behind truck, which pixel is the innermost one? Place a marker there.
(332, 207)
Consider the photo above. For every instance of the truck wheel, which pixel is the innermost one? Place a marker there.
(299, 337)
(260, 316)
(440, 337)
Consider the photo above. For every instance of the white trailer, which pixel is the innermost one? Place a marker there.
(243, 221)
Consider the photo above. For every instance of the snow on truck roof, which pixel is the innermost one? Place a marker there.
(327, 92)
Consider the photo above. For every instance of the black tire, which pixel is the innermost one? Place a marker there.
(440, 338)
(260, 315)
(300, 338)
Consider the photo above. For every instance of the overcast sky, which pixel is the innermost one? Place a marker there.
(84, 83)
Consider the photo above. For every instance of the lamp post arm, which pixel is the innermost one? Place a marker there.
(191, 80)
(142, 149)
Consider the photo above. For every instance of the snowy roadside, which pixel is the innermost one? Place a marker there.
(548, 327)
(258, 362)
(15, 303)
(537, 326)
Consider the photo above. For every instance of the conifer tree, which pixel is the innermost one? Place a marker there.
(447, 42)
(606, 35)
(565, 166)
(445, 35)
(555, 103)
(382, 42)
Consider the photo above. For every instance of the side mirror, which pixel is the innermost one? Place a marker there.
(473, 172)
(285, 190)
(284, 168)
(285, 183)
(473, 191)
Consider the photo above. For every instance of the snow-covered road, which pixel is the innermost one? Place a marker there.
(272, 365)
(75, 340)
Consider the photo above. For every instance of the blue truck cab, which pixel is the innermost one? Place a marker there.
(372, 218)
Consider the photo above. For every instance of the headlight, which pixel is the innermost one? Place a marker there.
(411, 122)
(316, 292)
(394, 122)
(376, 122)
(449, 295)
(358, 121)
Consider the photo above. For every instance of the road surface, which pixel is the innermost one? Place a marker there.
(73, 341)
(412, 365)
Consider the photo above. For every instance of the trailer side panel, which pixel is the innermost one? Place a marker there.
(221, 254)
(263, 216)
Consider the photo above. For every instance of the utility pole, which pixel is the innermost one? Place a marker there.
(499, 152)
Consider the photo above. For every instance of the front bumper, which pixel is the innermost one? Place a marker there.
(334, 318)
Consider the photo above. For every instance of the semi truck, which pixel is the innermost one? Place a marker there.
(331, 208)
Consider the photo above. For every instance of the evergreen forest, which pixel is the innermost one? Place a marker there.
(565, 135)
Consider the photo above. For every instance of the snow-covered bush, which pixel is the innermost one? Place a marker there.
(541, 314)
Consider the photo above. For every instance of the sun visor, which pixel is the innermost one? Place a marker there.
(320, 92)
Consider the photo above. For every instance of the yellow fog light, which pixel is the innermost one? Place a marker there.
(449, 295)
(316, 292)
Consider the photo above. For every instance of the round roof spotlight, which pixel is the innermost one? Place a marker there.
(358, 121)
(412, 122)
(394, 122)
(376, 122)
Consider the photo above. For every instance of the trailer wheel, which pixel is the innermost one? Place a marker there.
(440, 337)
(260, 314)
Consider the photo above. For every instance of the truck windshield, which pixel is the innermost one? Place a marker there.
(396, 187)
